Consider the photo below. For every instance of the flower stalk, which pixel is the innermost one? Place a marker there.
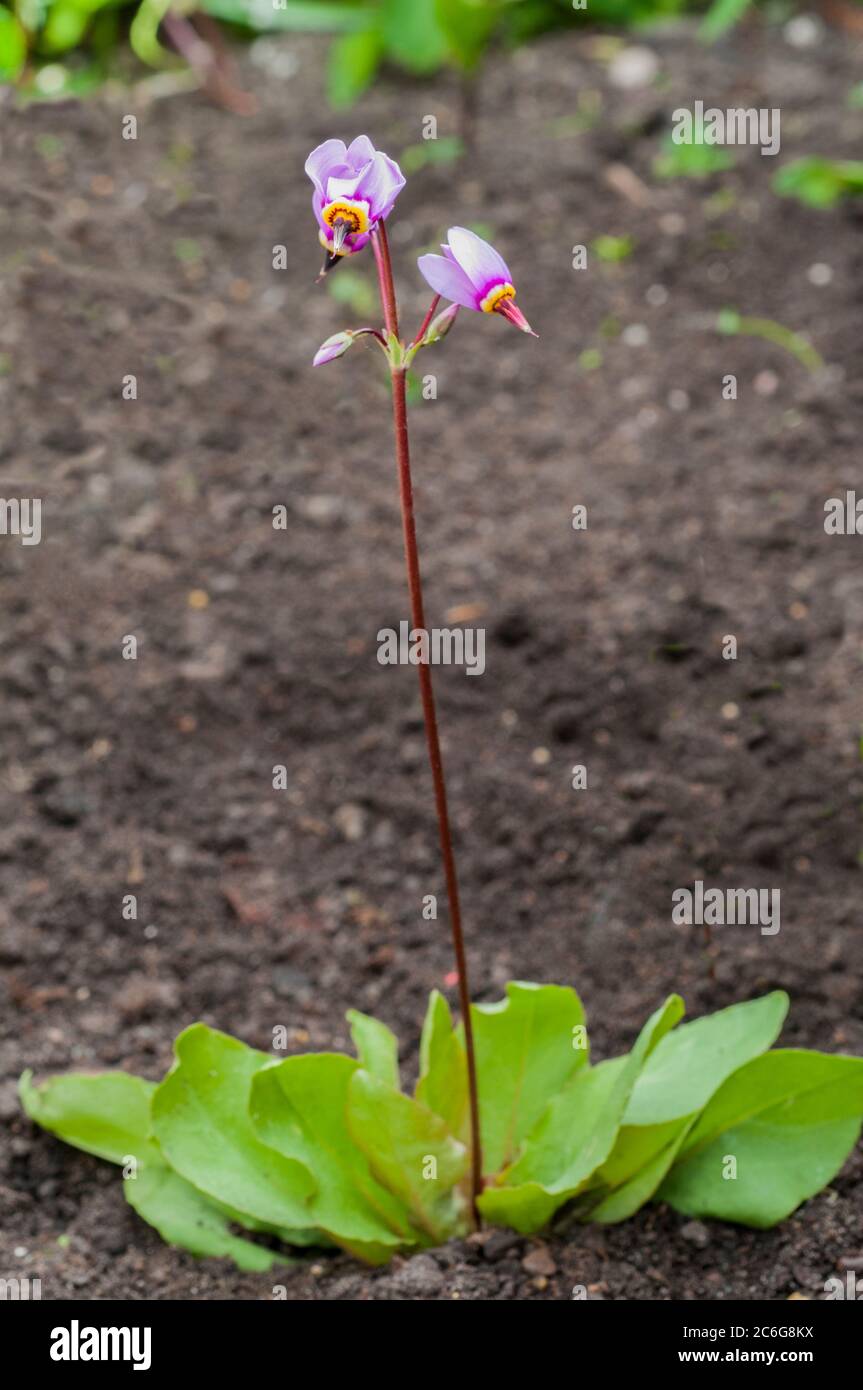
(398, 374)
(355, 188)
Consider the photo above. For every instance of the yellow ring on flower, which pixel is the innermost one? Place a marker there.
(356, 214)
(494, 297)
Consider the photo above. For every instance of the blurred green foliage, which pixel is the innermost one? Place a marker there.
(820, 183)
(418, 36)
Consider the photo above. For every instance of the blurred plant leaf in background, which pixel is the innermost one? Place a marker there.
(352, 63)
(820, 183)
(13, 45)
(722, 16)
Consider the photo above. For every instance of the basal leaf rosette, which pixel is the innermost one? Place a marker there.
(326, 1149)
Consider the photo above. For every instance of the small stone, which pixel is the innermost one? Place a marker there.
(539, 1261)
(696, 1233)
(350, 821)
(418, 1277)
(632, 68)
(499, 1243)
(819, 273)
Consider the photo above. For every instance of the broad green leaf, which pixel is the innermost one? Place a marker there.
(200, 1118)
(527, 1049)
(788, 1120)
(377, 1047)
(693, 1061)
(106, 1114)
(645, 1154)
(442, 1084)
(411, 1152)
(185, 1217)
(575, 1134)
(352, 62)
(299, 1108)
(412, 35)
(13, 46)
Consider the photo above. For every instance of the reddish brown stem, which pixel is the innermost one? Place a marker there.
(423, 328)
(400, 419)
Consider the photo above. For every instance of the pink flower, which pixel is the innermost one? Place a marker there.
(355, 187)
(471, 273)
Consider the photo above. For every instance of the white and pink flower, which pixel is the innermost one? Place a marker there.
(471, 273)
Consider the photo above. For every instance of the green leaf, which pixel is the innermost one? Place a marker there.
(613, 248)
(64, 27)
(109, 1115)
(297, 16)
(468, 26)
(299, 1108)
(648, 1154)
(352, 62)
(442, 1084)
(186, 1218)
(201, 1120)
(575, 1134)
(411, 1152)
(788, 1119)
(689, 1065)
(527, 1049)
(820, 183)
(722, 16)
(377, 1047)
(412, 35)
(13, 46)
(106, 1114)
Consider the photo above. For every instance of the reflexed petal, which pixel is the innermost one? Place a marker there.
(360, 152)
(343, 186)
(380, 184)
(322, 160)
(479, 261)
(448, 280)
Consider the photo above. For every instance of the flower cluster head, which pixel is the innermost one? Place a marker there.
(355, 188)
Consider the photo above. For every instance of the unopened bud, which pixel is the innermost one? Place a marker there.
(334, 347)
(440, 326)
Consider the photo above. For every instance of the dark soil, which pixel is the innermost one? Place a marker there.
(258, 646)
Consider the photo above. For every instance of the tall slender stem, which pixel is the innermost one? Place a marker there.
(400, 419)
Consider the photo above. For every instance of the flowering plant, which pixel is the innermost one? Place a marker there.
(510, 1121)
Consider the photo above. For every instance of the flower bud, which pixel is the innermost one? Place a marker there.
(441, 325)
(334, 347)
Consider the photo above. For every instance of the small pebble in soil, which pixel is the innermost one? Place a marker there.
(696, 1233)
(418, 1277)
(350, 821)
(766, 383)
(819, 274)
(633, 67)
(539, 1261)
(803, 31)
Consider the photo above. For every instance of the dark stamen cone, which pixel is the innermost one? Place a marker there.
(513, 314)
(330, 263)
